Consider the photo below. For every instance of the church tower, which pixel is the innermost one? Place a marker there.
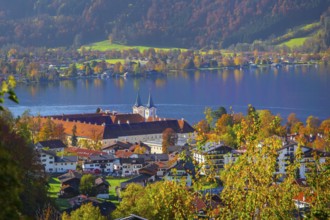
(138, 108)
(150, 109)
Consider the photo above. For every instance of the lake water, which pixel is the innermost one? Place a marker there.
(304, 90)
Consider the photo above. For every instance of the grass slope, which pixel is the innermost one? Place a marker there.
(105, 46)
(295, 42)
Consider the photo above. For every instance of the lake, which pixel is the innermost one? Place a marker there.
(303, 89)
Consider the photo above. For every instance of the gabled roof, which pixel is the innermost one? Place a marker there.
(66, 159)
(131, 160)
(100, 181)
(124, 118)
(154, 127)
(71, 174)
(51, 144)
(101, 157)
(120, 144)
(123, 153)
(150, 169)
(154, 157)
(84, 152)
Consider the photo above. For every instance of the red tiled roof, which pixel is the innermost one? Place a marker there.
(302, 198)
(123, 154)
(81, 152)
(124, 118)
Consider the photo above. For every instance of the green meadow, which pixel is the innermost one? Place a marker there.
(295, 42)
(106, 45)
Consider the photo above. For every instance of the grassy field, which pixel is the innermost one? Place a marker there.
(105, 45)
(54, 189)
(114, 182)
(295, 42)
(55, 186)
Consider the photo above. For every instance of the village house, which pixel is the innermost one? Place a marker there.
(181, 171)
(182, 143)
(57, 164)
(53, 145)
(286, 155)
(99, 164)
(70, 182)
(146, 174)
(101, 186)
(128, 166)
(115, 146)
(213, 157)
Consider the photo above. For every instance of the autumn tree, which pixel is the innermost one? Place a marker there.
(7, 88)
(251, 190)
(87, 184)
(170, 138)
(291, 122)
(156, 201)
(86, 211)
(312, 125)
(74, 140)
(26, 178)
(318, 191)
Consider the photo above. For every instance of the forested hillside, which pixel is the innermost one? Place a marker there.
(182, 23)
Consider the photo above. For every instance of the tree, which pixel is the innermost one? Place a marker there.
(312, 125)
(292, 121)
(58, 132)
(87, 184)
(170, 138)
(156, 201)
(7, 87)
(22, 174)
(319, 191)
(74, 140)
(216, 114)
(250, 188)
(85, 212)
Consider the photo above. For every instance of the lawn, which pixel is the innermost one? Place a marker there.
(114, 182)
(54, 189)
(295, 42)
(55, 186)
(105, 45)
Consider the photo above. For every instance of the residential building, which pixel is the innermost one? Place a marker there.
(99, 163)
(128, 166)
(287, 155)
(57, 164)
(181, 171)
(54, 145)
(70, 182)
(213, 157)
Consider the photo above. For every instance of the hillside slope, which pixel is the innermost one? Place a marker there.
(181, 23)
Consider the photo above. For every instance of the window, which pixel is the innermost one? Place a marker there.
(71, 163)
(51, 162)
(65, 164)
(44, 160)
(50, 157)
(43, 155)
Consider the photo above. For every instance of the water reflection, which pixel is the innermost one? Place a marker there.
(301, 89)
(238, 76)
(69, 84)
(120, 82)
